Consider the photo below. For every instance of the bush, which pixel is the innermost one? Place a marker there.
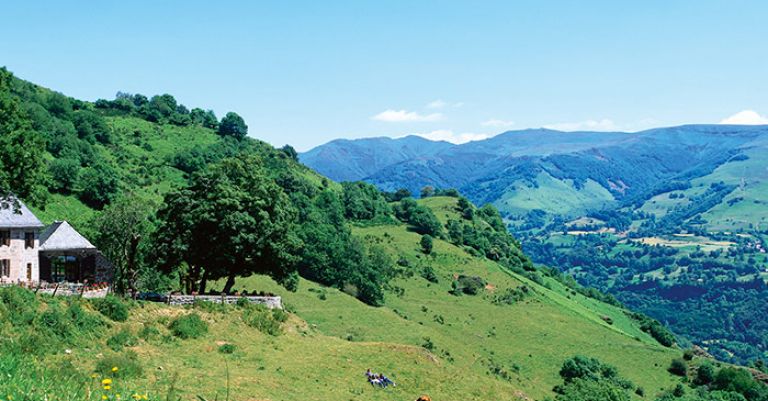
(121, 339)
(111, 307)
(705, 374)
(426, 244)
(82, 319)
(279, 315)
(264, 320)
(428, 273)
(227, 348)
(678, 367)
(470, 285)
(188, 326)
(149, 333)
(740, 381)
(211, 307)
(53, 323)
(19, 305)
(511, 296)
(127, 365)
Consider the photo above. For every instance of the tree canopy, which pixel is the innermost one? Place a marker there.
(233, 125)
(231, 221)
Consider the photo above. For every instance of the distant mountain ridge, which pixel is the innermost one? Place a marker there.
(672, 221)
(611, 165)
(369, 155)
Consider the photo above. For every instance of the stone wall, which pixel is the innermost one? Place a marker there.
(73, 290)
(270, 302)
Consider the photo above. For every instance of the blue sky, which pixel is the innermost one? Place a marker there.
(306, 72)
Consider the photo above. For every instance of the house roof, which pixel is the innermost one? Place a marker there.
(13, 217)
(60, 236)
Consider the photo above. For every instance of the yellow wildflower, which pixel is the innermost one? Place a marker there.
(106, 381)
(103, 397)
(144, 396)
(114, 369)
(95, 375)
(107, 387)
(136, 396)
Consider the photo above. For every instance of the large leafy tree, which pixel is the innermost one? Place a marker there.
(233, 125)
(122, 232)
(232, 221)
(22, 167)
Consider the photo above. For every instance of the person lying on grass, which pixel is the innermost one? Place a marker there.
(379, 380)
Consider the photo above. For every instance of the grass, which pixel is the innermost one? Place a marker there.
(470, 336)
(554, 196)
(425, 339)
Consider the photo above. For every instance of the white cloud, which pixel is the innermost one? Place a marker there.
(588, 125)
(436, 104)
(449, 136)
(396, 116)
(746, 117)
(440, 103)
(497, 123)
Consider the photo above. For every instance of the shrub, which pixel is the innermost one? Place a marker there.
(127, 365)
(227, 348)
(678, 367)
(111, 307)
(188, 326)
(511, 296)
(211, 307)
(243, 302)
(705, 374)
(279, 315)
(428, 273)
(54, 323)
(740, 381)
(83, 320)
(19, 305)
(470, 285)
(426, 244)
(121, 339)
(428, 344)
(262, 319)
(149, 333)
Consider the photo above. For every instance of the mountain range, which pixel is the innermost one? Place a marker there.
(567, 172)
(672, 221)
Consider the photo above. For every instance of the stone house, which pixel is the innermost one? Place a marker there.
(31, 253)
(19, 245)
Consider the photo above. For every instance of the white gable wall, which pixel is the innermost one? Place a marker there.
(20, 257)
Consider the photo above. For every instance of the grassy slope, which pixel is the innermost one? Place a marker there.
(143, 154)
(330, 342)
(536, 334)
(554, 196)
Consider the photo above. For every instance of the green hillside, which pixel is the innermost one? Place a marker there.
(465, 347)
(435, 293)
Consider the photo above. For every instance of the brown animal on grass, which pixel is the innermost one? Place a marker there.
(424, 398)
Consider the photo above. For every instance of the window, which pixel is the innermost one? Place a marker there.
(29, 240)
(5, 237)
(5, 267)
(29, 271)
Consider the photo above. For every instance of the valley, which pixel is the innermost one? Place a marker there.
(667, 220)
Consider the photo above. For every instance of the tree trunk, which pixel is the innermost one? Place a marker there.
(203, 283)
(133, 272)
(230, 283)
